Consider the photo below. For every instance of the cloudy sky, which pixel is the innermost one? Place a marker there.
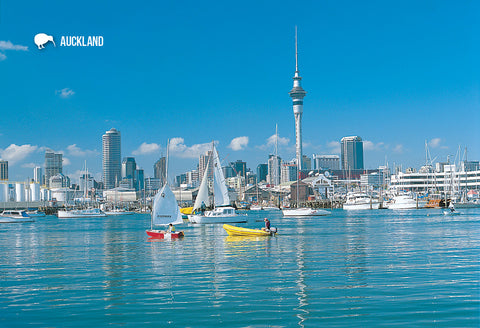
(397, 74)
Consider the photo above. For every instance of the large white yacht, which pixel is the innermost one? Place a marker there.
(87, 213)
(15, 216)
(360, 201)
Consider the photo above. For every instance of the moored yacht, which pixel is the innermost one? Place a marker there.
(304, 211)
(360, 201)
(15, 216)
(85, 213)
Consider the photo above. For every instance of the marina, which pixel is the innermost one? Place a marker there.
(360, 268)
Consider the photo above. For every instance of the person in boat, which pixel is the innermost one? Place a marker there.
(203, 207)
(171, 228)
(267, 225)
(451, 207)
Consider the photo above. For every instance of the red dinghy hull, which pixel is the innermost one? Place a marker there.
(159, 234)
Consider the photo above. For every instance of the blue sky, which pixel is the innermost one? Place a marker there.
(394, 73)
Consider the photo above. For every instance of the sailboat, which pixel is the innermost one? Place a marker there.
(165, 211)
(223, 212)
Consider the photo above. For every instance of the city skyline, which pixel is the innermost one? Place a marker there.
(404, 75)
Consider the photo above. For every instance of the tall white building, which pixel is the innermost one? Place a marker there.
(37, 174)
(273, 176)
(112, 160)
(53, 165)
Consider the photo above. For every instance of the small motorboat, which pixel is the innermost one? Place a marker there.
(240, 231)
(161, 234)
(451, 213)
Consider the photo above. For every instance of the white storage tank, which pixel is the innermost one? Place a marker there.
(35, 192)
(27, 193)
(6, 188)
(19, 192)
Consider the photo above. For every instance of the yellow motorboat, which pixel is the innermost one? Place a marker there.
(239, 231)
(186, 210)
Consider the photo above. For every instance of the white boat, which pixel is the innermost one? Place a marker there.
(165, 212)
(404, 202)
(118, 212)
(223, 212)
(85, 213)
(304, 211)
(15, 216)
(360, 201)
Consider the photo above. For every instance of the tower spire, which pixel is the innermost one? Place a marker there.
(297, 94)
(296, 50)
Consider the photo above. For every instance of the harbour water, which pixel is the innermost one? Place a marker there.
(350, 269)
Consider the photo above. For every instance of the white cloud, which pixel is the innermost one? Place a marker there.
(369, 145)
(281, 141)
(146, 148)
(435, 142)
(334, 147)
(66, 161)
(239, 143)
(14, 153)
(65, 93)
(398, 149)
(7, 45)
(77, 151)
(178, 148)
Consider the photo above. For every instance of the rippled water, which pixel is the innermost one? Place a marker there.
(368, 268)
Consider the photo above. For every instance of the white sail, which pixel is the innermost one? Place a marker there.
(219, 185)
(165, 208)
(203, 191)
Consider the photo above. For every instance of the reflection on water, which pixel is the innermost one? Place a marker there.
(414, 268)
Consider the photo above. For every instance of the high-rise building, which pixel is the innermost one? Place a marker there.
(139, 180)
(111, 158)
(202, 164)
(274, 170)
(128, 168)
(228, 171)
(297, 94)
(3, 170)
(306, 163)
(37, 175)
(240, 168)
(53, 165)
(288, 172)
(262, 172)
(352, 153)
(326, 162)
(160, 169)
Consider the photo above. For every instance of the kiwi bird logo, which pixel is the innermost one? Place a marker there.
(41, 39)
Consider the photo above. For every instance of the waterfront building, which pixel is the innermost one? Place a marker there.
(289, 172)
(37, 175)
(159, 170)
(262, 172)
(352, 153)
(181, 179)
(3, 170)
(297, 94)
(111, 142)
(192, 178)
(53, 165)
(274, 170)
(326, 162)
(452, 179)
(86, 180)
(374, 180)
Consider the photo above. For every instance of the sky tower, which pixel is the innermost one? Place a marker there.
(297, 94)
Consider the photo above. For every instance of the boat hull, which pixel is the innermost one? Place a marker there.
(199, 219)
(295, 212)
(368, 206)
(6, 219)
(160, 234)
(73, 214)
(239, 231)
